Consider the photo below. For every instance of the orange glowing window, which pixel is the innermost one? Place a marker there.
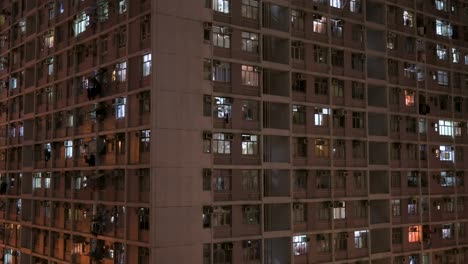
(414, 234)
(409, 98)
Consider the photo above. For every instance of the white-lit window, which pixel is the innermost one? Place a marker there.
(37, 180)
(447, 231)
(13, 83)
(407, 19)
(339, 210)
(122, 6)
(249, 144)
(68, 149)
(120, 104)
(444, 28)
(222, 143)
(47, 181)
(446, 153)
(442, 78)
(441, 5)
(466, 59)
(300, 245)
(336, 3)
(221, 71)
(221, 37)
(444, 127)
(223, 107)
(360, 238)
(447, 179)
(21, 130)
(81, 22)
(455, 55)
(441, 51)
(49, 39)
(321, 116)
(50, 66)
(120, 72)
(147, 64)
(355, 6)
(412, 207)
(221, 6)
(22, 26)
(250, 75)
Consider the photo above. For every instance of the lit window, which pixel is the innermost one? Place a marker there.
(37, 180)
(221, 6)
(441, 5)
(250, 9)
(447, 231)
(221, 71)
(222, 143)
(441, 51)
(145, 140)
(444, 127)
(321, 149)
(409, 98)
(68, 149)
(22, 26)
(446, 153)
(414, 234)
(81, 22)
(223, 107)
(49, 39)
(339, 210)
(444, 28)
(412, 207)
(221, 37)
(355, 6)
(455, 55)
(249, 42)
(447, 179)
(360, 239)
(120, 104)
(13, 83)
(320, 24)
(396, 209)
(50, 66)
(336, 3)
(122, 6)
(249, 144)
(47, 181)
(407, 19)
(120, 72)
(250, 75)
(321, 116)
(466, 59)
(147, 63)
(300, 245)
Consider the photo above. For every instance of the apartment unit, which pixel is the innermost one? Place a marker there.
(275, 131)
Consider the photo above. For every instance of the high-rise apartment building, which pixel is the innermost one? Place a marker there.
(233, 131)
